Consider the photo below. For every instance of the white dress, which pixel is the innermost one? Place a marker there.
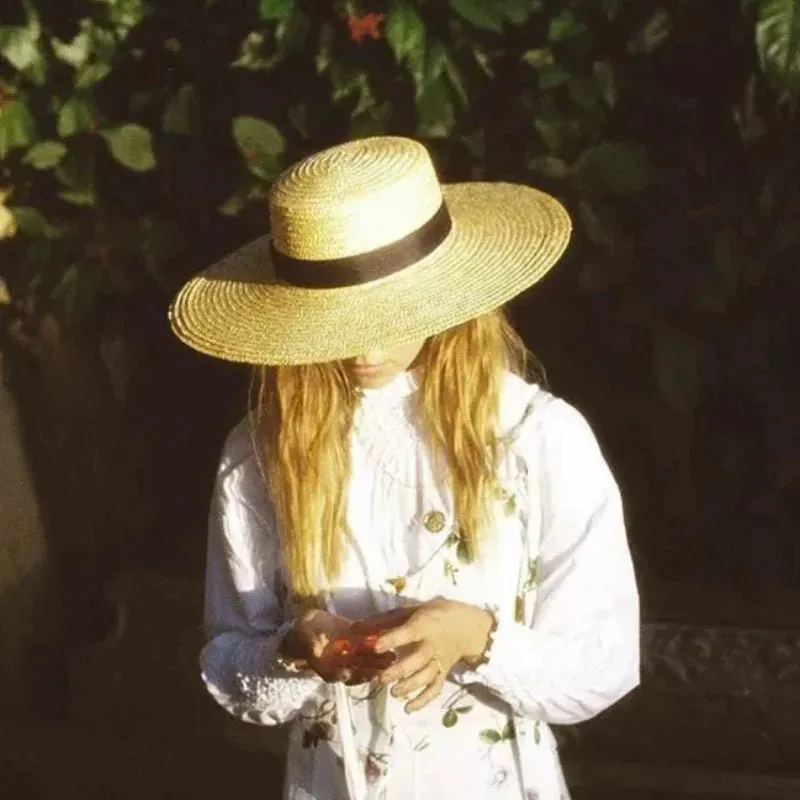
(556, 567)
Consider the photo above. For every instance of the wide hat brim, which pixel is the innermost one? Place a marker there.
(505, 238)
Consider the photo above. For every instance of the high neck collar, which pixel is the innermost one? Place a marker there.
(401, 387)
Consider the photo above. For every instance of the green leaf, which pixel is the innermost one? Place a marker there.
(436, 116)
(45, 155)
(550, 131)
(132, 146)
(652, 34)
(17, 127)
(615, 168)
(256, 137)
(564, 26)
(159, 242)
(325, 50)
(778, 42)
(19, 45)
(550, 77)
(376, 121)
(606, 83)
(76, 116)
(595, 226)
(405, 33)
(32, 222)
(676, 360)
(76, 174)
(180, 113)
(276, 9)
(584, 92)
(126, 14)
(517, 12)
(549, 167)
(490, 736)
(539, 57)
(75, 53)
(464, 709)
(77, 290)
(450, 718)
(456, 80)
(484, 14)
(91, 74)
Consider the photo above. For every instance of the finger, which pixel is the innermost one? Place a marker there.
(419, 680)
(406, 667)
(362, 676)
(380, 622)
(408, 633)
(427, 696)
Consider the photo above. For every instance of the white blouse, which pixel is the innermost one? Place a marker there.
(557, 568)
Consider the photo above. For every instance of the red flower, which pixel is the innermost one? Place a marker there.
(361, 27)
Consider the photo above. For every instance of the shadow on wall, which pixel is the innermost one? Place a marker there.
(24, 569)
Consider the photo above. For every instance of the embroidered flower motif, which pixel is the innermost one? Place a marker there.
(398, 584)
(532, 580)
(456, 539)
(451, 571)
(365, 26)
(499, 778)
(375, 765)
(452, 711)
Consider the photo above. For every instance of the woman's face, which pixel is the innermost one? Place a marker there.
(380, 368)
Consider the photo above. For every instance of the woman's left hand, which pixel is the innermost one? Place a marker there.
(437, 635)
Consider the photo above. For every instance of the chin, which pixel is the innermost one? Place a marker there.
(373, 381)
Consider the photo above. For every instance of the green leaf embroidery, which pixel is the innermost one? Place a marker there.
(451, 572)
(450, 718)
(490, 736)
(464, 709)
(509, 732)
(532, 579)
(132, 146)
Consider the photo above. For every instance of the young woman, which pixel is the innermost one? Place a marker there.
(402, 491)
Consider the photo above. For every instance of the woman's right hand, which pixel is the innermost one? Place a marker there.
(315, 642)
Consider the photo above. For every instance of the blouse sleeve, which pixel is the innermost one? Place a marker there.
(581, 653)
(244, 619)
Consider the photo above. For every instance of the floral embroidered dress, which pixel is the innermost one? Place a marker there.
(557, 568)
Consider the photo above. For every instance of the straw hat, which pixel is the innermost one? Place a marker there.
(369, 251)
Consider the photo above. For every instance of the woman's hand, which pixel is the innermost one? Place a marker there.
(437, 635)
(328, 645)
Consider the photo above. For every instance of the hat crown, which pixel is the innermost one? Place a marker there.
(353, 199)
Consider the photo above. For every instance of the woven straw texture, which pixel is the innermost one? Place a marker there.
(350, 200)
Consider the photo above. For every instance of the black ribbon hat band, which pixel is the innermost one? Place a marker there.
(338, 273)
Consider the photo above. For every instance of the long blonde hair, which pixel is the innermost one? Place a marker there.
(304, 415)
